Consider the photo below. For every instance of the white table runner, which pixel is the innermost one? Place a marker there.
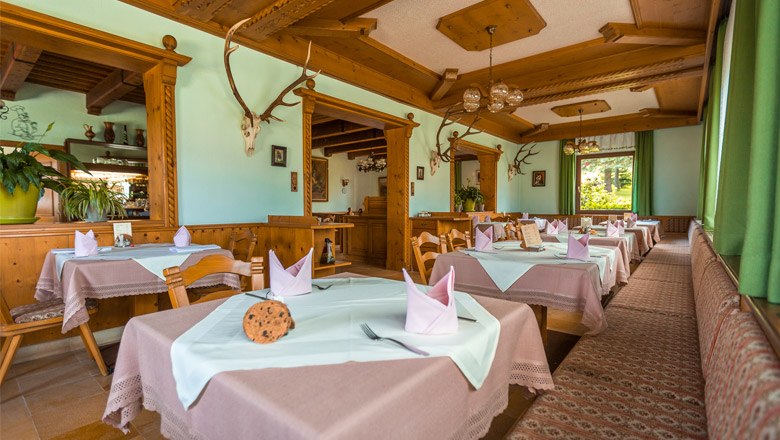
(327, 331)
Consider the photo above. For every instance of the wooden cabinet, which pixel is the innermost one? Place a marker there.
(367, 239)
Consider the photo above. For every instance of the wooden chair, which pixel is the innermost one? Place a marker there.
(178, 280)
(422, 258)
(242, 245)
(511, 232)
(457, 240)
(16, 322)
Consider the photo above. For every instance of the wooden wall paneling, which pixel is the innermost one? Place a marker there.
(488, 179)
(398, 244)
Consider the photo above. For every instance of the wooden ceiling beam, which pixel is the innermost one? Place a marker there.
(614, 124)
(199, 9)
(336, 128)
(318, 27)
(629, 33)
(544, 126)
(279, 15)
(329, 151)
(448, 78)
(367, 8)
(712, 37)
(377, 152)
(660, 113)
(347, 139)
(18, 62)
(114, 86)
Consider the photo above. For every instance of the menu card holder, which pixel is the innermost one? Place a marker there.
(613, 218)
(626, 216)
(123, 234)
(532, 240)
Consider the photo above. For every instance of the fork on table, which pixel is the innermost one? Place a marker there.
(370, 333)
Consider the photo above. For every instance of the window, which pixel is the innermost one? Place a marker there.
(604, 182)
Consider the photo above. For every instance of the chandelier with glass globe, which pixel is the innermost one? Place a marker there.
(580, 145)
(498, 96)
(370, 164)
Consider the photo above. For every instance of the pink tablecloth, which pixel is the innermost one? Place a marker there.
(623, 270)
(656, 228)
(499, 230)
(413, 398)
(567, 287)
(100, 279)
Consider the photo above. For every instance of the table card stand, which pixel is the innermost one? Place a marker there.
(532, 240)
(123, 234)
(626, 216)
(613, 218)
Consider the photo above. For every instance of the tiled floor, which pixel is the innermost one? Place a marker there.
(63, 396)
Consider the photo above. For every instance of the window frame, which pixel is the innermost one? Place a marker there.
(578, 181)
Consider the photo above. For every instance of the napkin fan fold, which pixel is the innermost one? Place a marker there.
(483, 241)
(578, 248)
(182, 238)
(295, 280)
(434, 312)
(85, 245)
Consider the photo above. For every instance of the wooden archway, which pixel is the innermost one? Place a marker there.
(397, 132)
(488, 171)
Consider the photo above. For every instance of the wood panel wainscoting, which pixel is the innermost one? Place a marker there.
(436, 226)
(367, 241)
(671, 223)
(23, 249)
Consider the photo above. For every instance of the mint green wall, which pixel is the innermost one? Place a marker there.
(217, 182)
(675, 178)
(68, 111)
(676, 170)
(361, 185)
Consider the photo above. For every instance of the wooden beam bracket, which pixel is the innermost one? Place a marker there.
(18, 62)
(116, 85)
(628, 33)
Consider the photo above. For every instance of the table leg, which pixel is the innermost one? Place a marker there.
(143, 304)
(541, 319)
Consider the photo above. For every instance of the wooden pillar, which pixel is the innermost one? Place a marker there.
(308, 103)
(488, 179)
(160, 85)
(398, 245)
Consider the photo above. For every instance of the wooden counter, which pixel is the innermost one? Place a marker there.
(367, 240)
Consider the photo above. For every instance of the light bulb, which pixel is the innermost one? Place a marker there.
(499, 91)
(472, 95)
(568, 149)
(514, 98)
(470, 106)
(495, 106)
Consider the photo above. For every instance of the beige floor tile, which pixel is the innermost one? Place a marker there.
(61, 396)
(66, 370)
(15, 420)
(40, 365)
(97, 431)
(9, 390)
(79, 412)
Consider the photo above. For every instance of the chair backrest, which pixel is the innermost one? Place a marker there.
(511, 232)
(5, 312)
(457, 240)
(242, 245)
(422, 258)
(178, 280)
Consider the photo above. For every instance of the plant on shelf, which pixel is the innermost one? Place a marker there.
(458, 201)
(470, 195)
(24, 178)
(480, 202)
(92, 200)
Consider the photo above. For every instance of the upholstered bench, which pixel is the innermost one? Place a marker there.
(678, 360)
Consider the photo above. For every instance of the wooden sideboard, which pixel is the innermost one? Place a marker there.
(367, 240)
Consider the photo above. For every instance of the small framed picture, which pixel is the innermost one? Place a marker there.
(420, 173)
(278, 156)
(539, 178)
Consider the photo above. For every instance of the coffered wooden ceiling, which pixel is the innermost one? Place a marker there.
(608, 50)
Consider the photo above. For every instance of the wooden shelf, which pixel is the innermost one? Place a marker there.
(102, 144)
(338, 263)
(111, 168)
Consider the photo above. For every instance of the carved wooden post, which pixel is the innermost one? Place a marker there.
(398, 245)
(308, 110)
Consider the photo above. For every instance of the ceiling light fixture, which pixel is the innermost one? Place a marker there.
(370, 164)
(498, 94)
(581, 145)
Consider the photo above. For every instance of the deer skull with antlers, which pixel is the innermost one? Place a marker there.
(250, 123)
(514, 168)
(451, 116)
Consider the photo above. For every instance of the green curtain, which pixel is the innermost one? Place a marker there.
(642, 189)
(756, 29)
(708, 174)
(566, 181)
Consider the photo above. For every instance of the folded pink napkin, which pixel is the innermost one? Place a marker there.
(295, 280)
(634, 217)
(525, 216)
(488, 219)
(182, 238)
(434, 312)
(578, 248)
(613, 229)
(483, 241)
(85, 244)
(552, 227)
(563, 226)
(474, 221)
(621, 227)
(630, 223)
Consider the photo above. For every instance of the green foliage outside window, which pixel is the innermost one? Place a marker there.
(606, 182)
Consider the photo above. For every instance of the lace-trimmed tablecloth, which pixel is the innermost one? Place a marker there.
(100, 279)
(410, 398)
(571, 288)
(624, 245)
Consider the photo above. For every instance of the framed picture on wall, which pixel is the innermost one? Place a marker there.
(420, 173)
(538, 178)
(278, 156)
(382, 186)
(319, 179)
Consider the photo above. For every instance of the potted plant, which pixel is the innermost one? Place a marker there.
(92, 200)
(458, 201)
(480, 202)
(24, 179)
(470, 195)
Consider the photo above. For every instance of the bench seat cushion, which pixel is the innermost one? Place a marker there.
(663, 256)
(663, 297)
(662, 272)
(640, 378)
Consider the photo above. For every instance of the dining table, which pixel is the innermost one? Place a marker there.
(309, 396)
(131, 271)
(625, 243)
(548, 280)
(643, 234)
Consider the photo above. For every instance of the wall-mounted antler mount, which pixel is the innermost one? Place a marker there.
(250, 124)
(453, 115)
(518, 162)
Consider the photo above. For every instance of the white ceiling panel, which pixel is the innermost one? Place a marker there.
(409, 27)
(622, 102)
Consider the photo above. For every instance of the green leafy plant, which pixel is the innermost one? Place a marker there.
(81, 196)
(471, 193)
(19, 168)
